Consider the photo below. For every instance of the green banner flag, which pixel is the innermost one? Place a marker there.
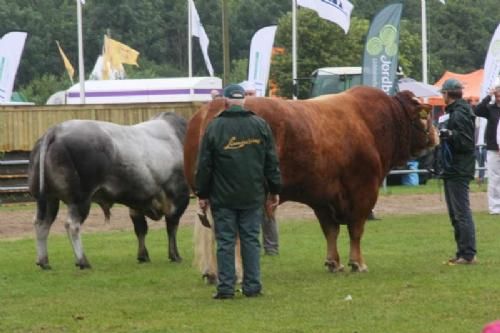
(380, 60)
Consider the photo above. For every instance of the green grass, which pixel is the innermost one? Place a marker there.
(408, 289)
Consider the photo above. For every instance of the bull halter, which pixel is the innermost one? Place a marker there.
(413, 123)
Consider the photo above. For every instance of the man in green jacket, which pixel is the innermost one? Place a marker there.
(237, 162)
(457, 140)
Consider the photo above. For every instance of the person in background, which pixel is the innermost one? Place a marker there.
(215, 94)
(491, 111)
(236, 162)
(456, 131)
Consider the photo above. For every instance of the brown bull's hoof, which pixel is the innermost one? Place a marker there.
(175, 258)
(357, 268)
(143, 260)
(334, 267)
(209, 278)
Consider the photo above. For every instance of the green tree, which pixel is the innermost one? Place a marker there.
(318, 45)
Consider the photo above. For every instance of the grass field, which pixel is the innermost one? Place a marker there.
(408, 289)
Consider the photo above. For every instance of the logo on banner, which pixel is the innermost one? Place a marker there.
(386, 40)
(335, 3)
(385, 46)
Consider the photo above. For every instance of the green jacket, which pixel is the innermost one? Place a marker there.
(461, 142)
(237, 161)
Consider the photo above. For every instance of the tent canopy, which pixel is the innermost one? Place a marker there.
(471, 81)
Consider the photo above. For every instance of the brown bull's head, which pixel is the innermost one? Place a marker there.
(423, 135)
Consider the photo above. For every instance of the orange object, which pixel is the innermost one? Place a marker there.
(471, 81)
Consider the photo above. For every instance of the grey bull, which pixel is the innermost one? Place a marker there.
(84, 161)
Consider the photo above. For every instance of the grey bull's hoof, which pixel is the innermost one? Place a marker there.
(333, 266)
(83, 263)
(358, 268)
(44, 265)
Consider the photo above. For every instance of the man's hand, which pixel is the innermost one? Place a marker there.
(203, 204)
(273, 201)
(444, 133)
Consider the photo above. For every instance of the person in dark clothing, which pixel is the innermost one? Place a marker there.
(237, 165)
(491, 111)
(456, 130)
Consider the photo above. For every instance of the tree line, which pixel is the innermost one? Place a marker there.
(458, 37)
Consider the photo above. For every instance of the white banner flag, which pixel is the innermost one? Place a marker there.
(336, 11)
(259, 64)
(491, 64)
(11, 48)
(197, 30)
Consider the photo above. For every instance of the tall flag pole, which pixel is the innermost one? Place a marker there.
(336, 11)
(294, 48)
(380, 59)
(190, 41)
(424, 42)
(81, 69)
(199, 31)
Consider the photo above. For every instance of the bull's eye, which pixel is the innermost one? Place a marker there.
(423, 114)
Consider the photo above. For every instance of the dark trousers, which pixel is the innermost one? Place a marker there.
(228, 224)
(456, 192)
(481, 160)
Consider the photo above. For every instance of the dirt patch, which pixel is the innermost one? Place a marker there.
(16, 220)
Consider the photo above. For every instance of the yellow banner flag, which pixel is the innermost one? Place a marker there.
(67, 64)
(118, 53)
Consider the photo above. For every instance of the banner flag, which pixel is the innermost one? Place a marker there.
(336, 11)
(197, 30)
(67, 63)
(491, 64)
(380, 59)
(11, 49)
(259, 63)
(116, 54)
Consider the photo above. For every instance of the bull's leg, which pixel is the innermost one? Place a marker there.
(237, 261)
(204, 254)
(172, 225)
(45, 215)
(77, 214)
(141, 230)
(355, 258)
(331, 231)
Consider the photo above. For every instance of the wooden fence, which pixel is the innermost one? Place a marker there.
(21, 126)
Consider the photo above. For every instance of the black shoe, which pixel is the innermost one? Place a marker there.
(222, 296)
(254, 294)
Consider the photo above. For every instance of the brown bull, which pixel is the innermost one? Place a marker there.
(334, 153)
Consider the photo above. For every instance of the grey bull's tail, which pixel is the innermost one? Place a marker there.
(41, 175)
